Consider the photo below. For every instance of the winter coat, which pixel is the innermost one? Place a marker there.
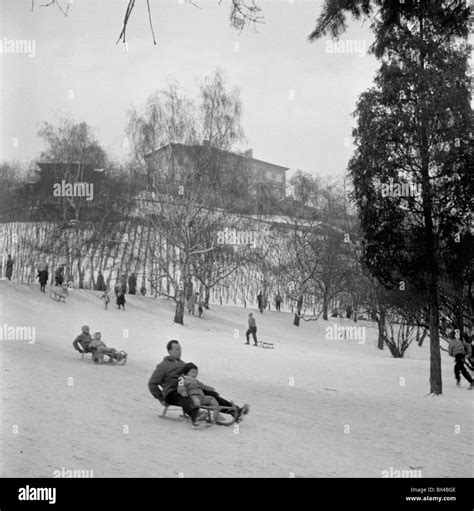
(97, 344)
(166, 374)
(456, 347)
(120, 298)
(278, 298)
(9, 268)
(43, 276)
(83, 339)
(132, 284)
(59, 276)
(252, 322)
(193, 387)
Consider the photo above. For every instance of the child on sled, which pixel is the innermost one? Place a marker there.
(99, 349)
(188, 383)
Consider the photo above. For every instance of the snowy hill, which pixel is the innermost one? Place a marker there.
(319, 407)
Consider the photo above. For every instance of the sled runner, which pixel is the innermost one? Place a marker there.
(268, 345)
(222, 419)
(114, 358)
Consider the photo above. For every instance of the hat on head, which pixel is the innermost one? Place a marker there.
(85, 327)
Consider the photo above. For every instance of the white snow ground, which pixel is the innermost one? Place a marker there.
(319, 408)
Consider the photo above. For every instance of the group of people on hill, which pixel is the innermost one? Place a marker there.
(262, 302)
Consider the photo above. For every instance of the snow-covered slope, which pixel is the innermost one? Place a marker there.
(318, 407)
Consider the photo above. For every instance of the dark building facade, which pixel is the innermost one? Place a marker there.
(231, 174)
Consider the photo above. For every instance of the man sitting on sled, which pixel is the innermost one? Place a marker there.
(167, 375)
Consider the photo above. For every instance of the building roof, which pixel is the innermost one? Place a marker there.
(62, 166)
(228, 153)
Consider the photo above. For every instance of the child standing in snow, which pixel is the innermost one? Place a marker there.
(190, 385)
(106, 298)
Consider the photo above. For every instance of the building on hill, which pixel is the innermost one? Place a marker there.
(239, 179)
(59, 191)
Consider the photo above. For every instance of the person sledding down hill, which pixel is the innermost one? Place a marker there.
(99, 349)
(459, 350)
(166, 376)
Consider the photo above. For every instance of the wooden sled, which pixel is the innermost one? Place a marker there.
(224, 419)
(120, 358)
(57, 296)
(267, 345)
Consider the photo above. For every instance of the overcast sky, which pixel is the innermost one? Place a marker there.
(78, 54)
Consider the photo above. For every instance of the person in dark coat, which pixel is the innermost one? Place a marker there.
(101, 282)
(260, 302)
(43, 275)
(278, 301)
(82, 341)
(132, 284)
(120, 298)
(59, 276)
(9, 267)
(123, 283)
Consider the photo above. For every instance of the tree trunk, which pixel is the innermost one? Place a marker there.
(296, 320)
(325, 306)
(381, 327)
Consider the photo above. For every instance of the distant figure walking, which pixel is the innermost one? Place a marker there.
(192, 303)
(260, 302)
(349, 312)
(252, 330)
(101, 282)
(132, 284)
(278, 301)
(9, 267)
(201, 305)
(59, 276)
(43, 275)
